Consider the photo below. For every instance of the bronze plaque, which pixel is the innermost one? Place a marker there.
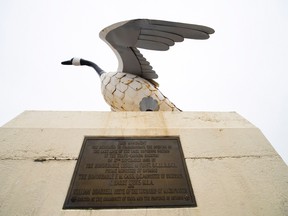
(130, 172)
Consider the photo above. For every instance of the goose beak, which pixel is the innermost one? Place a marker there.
(69, 62)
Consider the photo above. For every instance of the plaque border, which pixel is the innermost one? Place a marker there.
(130, 137)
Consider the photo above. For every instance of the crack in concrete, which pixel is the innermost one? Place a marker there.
(230, 157)
(47, 159)
(42, 159)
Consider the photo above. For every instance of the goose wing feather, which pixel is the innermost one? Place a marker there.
(125, 37)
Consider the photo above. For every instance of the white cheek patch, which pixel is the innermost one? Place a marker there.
(76, 61)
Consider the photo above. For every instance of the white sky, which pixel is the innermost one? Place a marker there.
(242, 67)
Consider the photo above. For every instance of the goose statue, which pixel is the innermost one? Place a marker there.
(132, 87)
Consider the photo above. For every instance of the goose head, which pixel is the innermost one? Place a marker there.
(73, 61)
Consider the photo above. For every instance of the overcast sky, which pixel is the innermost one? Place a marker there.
(242, 67)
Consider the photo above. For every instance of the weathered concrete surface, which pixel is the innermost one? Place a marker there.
(233, 168)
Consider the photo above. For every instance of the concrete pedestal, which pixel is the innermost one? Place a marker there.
(233, 168)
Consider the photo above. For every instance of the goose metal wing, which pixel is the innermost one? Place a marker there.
(125, 37)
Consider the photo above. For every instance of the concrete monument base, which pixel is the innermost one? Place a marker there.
(232, 167)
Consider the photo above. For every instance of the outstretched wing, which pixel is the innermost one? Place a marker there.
(125, 37)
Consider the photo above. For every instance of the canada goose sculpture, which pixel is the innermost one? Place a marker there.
(132, 87)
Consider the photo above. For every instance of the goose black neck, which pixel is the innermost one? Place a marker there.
(92, 64)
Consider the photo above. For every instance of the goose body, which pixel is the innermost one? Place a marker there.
(124, 92)
(132, 87)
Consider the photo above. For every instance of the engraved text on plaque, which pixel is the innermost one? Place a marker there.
(121, 172)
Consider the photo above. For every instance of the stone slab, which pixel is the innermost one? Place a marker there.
(233, 168)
